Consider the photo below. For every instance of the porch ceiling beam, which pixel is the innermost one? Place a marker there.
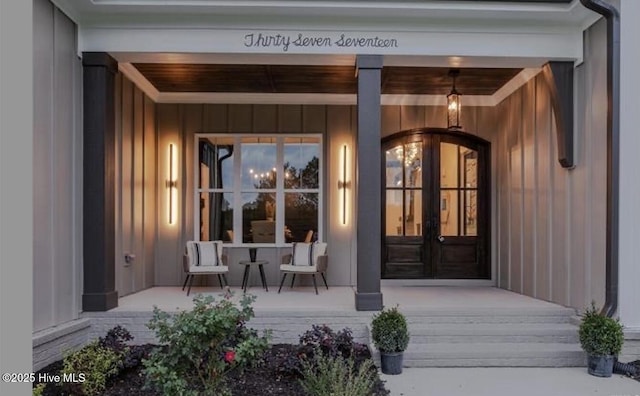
(559, 78)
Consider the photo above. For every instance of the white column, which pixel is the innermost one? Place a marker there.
(629, 293)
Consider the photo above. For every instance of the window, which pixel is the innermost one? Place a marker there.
(272, 182)
(404, 189)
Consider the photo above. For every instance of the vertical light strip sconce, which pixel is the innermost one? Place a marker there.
(343, 184)
(453, 103)
(172, 184)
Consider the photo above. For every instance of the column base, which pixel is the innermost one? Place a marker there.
(368, 301)
(99, 302)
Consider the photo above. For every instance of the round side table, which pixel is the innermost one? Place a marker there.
(247, 272)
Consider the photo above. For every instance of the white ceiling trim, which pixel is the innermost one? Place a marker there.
(320, 99)
(139, 80)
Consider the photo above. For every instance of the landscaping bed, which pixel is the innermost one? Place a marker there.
(265, 379)
(210, 351)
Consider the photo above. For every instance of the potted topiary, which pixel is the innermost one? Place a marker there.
(601, 338)
(391, 337)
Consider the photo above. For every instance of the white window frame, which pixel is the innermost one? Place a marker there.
(237, 189)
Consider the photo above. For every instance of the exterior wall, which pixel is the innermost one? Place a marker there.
(551, 234)
(629, 277)
(57, 169)
(136, 193)
(178, 124)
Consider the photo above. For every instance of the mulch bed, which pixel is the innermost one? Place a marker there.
(266, 379)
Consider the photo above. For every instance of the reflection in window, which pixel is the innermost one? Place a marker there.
(270, 173)
(216, 177)
(403, 176)
(458, 190)
(258, 217)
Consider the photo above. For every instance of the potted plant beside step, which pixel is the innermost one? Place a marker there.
(391, 337)
(601, 338)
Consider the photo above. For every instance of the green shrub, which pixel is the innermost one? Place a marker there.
(200, 346)
(38, 390)
(96, 362)
(325, 375)
(389, 331)
(600, 335)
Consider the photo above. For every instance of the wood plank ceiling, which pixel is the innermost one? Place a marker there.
(317, 79)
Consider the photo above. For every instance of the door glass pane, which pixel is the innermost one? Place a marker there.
(216, 162)
(216, 216)
(394, 166)
(470, 212)
(258, 217)
(413, 164)
(394, 212)
(300, 216)
(449, 212)
(413, 219)
(469, 166)
(448, 165)
(301, 162)
(258, 163)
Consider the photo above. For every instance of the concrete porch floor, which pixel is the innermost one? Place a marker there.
(341, 299)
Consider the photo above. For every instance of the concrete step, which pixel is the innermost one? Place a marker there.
(488, 315)
(489, 355)
(493, 333)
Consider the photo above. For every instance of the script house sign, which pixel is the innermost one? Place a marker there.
(287, 41)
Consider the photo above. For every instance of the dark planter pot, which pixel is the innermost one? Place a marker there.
(391, 362)
(600, 366)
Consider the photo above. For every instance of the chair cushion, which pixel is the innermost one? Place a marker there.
(307, 253)
(209, 269)
(302, 254)
(204, 253)
(298, 268)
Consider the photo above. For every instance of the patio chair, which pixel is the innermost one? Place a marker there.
(305, 259)
(204, 258)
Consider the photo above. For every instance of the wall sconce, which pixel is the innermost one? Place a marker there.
(343, 184)
(453, 103)
(172, 184)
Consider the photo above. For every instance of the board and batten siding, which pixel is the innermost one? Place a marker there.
(57, 169)
(136, 192)
(178, 124)
(551, 232)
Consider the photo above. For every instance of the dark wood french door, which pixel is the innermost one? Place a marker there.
(435, 205)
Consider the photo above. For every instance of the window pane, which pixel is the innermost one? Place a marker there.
(413, 205)
(216, 162)
(216, 217)
(469, 166)
(301, 162)
(394, 212)
(413, 164)
(300, 215)
(470, 212)
(258, 217)
(448, 165)
(394, 166)
(258, 163)
(449, 213)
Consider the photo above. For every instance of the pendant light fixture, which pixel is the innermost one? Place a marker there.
(453, 103)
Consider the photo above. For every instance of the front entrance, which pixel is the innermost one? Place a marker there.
(436, 205)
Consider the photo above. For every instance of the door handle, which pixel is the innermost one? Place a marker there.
(440, 238)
